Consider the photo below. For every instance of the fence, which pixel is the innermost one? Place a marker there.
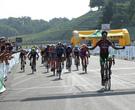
(5, 69)
(128, 53)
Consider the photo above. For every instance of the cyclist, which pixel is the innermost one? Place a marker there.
(42, 55)
(53, 57)
(68, 56)
(64, 55)
(47, 57)
(33, 56)
(59, 53)
(84, 53)
(76, 53)
(22, 56)
(104, 45)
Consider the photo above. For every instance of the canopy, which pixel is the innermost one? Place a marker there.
(120, 35)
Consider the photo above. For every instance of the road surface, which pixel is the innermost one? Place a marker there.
(76, 91)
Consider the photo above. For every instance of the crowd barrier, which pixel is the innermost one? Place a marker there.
(5, 69)
(128, 53)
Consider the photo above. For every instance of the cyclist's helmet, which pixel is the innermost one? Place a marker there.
(76, 46)
(83, 45)
(33, 49)
(69, 46)
(104, 33)
(59, 44)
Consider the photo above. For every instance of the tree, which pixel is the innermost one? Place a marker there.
(7, 31)
(96, 3)
(108, 12)
(131, 10)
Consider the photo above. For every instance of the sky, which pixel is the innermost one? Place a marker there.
(43, 9)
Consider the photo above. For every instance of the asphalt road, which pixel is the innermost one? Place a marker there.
(76, 91)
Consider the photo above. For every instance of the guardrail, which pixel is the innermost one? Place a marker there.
(5, 69)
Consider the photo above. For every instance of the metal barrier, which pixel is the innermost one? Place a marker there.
(5, 69)
(127, 54)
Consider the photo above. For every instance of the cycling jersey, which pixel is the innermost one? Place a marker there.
(83, 52)
(53, 53)
(104, 49)
(59, 51)
(68, 51)
(33, 55)
(104, 46)
(76, 52)
(22, 55)
(47, 52)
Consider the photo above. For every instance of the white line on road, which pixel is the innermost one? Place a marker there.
(50, 87)
(125, 68)
(22, 81)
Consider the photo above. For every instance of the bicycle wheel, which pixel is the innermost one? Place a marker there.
(47, 66)
(33, 67)
(59, 71)
(69, 64)
(53, 69)
(23, 66)
(107, 78)
(76, 63)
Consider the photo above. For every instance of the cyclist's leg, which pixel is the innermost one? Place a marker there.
(21, 63)
(78, 60)
(82, 63)
(53, 63)
(58, 64)
(34, 64)
(110, 65)
(85, 64)
(67, 62)
(102, 61)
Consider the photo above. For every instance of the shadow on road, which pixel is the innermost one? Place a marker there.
(56, 79)
(21, 72)
(82, 73)
(50, 75)
(67, 72)
(82, 94)
(30, 74)
(75, 70)
(45, 72)
(77, 95)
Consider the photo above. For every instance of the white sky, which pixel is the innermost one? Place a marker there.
(43, 9)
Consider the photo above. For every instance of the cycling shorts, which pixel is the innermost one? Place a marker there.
(103, 58)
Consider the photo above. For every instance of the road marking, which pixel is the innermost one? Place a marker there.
(50, 87)
(126, 74)
(123, 68)
(19, 77)
(22, 81)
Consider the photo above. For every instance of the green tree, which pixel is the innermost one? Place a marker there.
(107, 12)
(7, 31)
(131, 10)
(96, 3)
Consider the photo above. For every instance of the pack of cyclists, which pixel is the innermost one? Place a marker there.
(53, 56)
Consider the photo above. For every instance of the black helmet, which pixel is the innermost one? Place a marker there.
(104, 32)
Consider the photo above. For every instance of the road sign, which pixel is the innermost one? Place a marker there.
(105, 27)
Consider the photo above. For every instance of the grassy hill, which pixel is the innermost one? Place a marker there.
(88, 21)
(64, 32)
